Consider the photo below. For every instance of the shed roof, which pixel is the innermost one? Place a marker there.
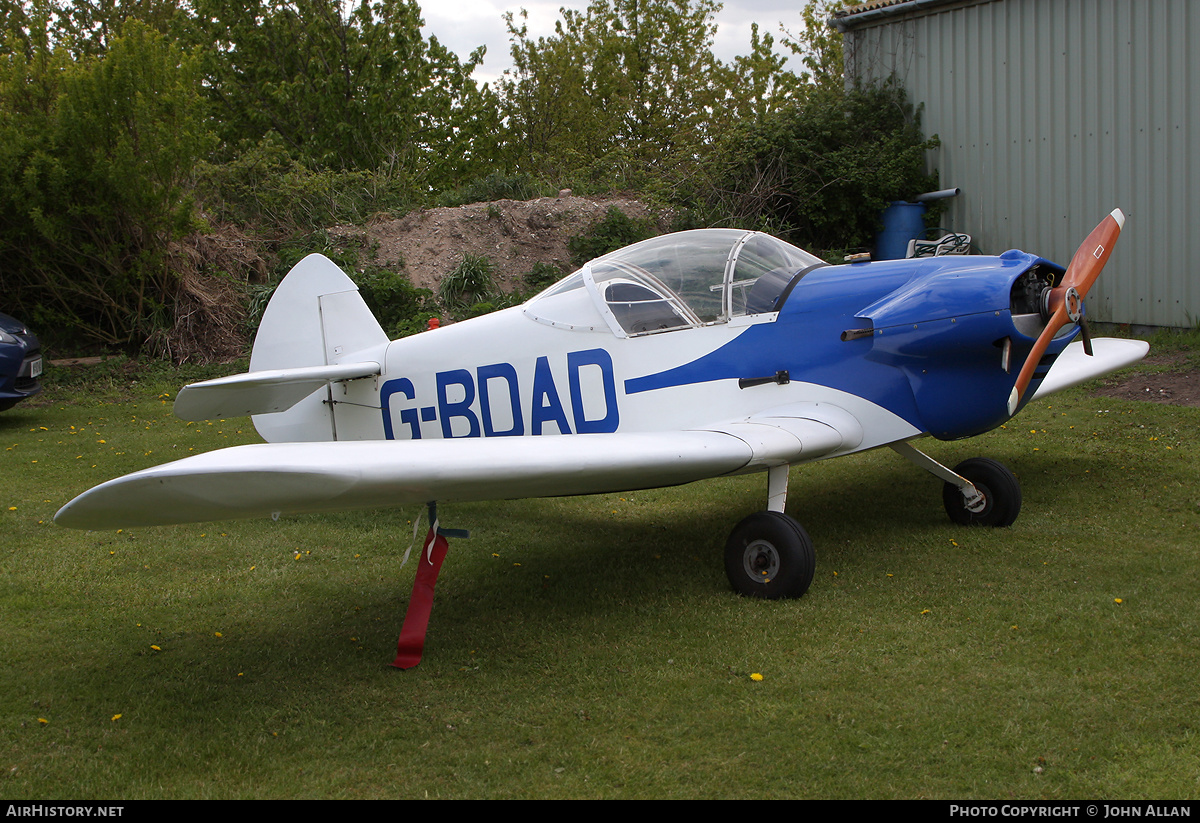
(874, 11)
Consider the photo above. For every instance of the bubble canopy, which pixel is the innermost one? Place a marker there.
(676, 281)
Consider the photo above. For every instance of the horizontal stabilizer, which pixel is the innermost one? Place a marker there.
(1073, 366)
(262, 392)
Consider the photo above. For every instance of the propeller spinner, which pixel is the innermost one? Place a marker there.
(1064, 303)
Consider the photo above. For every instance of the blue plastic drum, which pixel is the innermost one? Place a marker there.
(901, 222)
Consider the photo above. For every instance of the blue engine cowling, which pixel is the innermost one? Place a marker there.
(960, 332)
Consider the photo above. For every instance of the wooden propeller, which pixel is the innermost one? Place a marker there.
(1065, 301)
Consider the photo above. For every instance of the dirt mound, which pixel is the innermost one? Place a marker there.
(513, 234)
(1180, 386)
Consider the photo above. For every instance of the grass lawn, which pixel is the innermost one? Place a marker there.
(591, 647)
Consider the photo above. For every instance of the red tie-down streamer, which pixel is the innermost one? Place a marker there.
(411, 644)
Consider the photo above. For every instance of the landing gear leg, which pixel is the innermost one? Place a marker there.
(978, 492)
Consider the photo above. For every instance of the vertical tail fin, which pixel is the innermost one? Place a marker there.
(315, 318)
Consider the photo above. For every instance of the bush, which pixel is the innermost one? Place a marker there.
(472, 281)
(266, 185)
(542, 276)
(399, 306)
(95, 155)
(615, 231)
(496, 186)
(820, 172)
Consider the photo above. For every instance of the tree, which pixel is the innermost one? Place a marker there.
(95, 155)
(82, 28)
(757, 84)
(362, 90)
(620, 93)
(819, 46)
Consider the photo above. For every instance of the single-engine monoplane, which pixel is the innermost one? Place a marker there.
(684, 357)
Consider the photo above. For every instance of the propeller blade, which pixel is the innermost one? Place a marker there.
(1031, 362)
(1066, 299)
(1092, 254)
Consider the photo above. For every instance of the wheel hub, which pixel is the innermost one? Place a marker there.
(761, 561)
(976, 501)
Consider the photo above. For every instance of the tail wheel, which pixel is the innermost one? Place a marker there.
(769, 555)
(999, 487)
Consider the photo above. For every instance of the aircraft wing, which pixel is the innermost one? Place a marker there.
(1074, 366)
(270, 479)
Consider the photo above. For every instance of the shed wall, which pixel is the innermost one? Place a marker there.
(1053, 112)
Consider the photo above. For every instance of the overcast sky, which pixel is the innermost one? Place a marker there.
(463, 25)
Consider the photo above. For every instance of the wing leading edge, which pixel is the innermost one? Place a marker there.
(1073, 366)
(290, 478)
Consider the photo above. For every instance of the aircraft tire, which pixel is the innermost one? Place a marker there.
(1000, 488)
(769, 555)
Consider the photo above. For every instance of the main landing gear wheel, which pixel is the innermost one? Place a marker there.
(999, 487)
(769, 555)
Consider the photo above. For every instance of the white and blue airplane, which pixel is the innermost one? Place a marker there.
(684, 357)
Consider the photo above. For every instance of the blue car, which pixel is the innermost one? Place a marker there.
(20, 362)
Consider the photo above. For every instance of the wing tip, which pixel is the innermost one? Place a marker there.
(70, 516)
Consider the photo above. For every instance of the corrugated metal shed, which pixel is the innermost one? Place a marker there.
(1051, 113)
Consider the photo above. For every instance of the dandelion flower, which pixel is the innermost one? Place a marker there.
(156, 648)
(756, 677)
(43, 721)
(116, 717)
(1118, 600)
